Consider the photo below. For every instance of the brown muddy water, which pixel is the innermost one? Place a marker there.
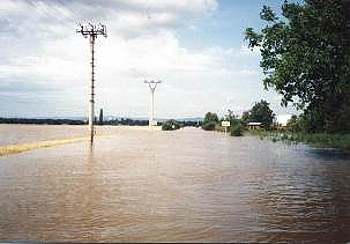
(183, 186)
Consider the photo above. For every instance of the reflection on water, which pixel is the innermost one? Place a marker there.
(187, 185)
(329, 153)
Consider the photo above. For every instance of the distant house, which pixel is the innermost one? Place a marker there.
(254, 125)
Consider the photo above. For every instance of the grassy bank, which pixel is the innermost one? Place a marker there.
(341, 141)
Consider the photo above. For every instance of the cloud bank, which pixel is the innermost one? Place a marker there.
(44, 67)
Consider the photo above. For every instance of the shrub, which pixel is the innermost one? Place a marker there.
(171, 125)
(236, 130)
(209, 126)
(210, 117)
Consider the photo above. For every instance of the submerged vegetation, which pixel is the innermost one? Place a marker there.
(341, 141)
(295, 131)
(236, 130)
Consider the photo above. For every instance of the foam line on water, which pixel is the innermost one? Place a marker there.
(19, 148)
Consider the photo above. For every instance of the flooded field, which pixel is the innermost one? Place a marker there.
(186, 186)
(19, 134)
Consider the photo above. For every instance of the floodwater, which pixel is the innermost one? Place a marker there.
(184, 186)
(19, 134)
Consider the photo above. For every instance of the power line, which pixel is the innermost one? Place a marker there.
(46, 9)
(75, 17)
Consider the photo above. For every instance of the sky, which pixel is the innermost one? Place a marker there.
(195, 47)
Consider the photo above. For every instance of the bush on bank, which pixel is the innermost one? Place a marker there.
(171, 125)
(209, 126)
(210, 120)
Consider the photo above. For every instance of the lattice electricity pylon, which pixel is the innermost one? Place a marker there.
(92, 31)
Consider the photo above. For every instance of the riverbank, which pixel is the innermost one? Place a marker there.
(323, 140)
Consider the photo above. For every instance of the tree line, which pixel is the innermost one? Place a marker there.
(122, 121)
(41, 121)
(114, 122)
(260, 112)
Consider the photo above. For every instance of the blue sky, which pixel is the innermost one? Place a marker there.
(226, 26)
(195, 46)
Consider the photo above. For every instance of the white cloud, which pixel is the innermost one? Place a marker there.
(44, 54)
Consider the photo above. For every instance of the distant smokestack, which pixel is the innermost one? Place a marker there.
(101, 117)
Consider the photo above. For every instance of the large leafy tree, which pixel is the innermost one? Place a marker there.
(306, 58)
(260, 112)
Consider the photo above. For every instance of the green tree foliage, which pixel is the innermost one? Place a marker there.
(306, 58)
(210, 117)
(41, 121)
(293, 125)
(171, 125)
(260, 112)
(299, 123)
(246, 117)
(209, 121)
